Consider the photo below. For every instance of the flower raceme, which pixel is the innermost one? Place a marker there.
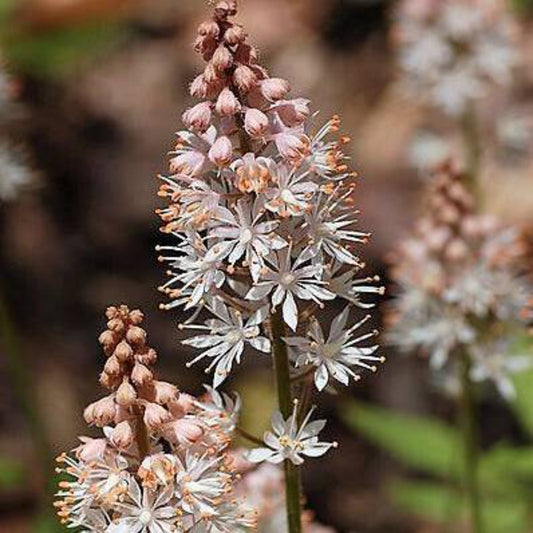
(260, 211)
(462, 286)
(162, 464)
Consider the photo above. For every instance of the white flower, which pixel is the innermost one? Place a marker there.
(248, 235)
(290, 442)
(288, 280)
(146, 511)
(335, 355)
(228, 334)
(494, 361)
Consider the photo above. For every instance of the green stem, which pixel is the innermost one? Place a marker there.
(21, 383)
(285, 401)
(470, 445)
(469, 131)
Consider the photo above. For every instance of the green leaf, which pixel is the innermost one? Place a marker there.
(508, 462)
(12, 474)
(425, 444)
(523, 403)
(444, 505)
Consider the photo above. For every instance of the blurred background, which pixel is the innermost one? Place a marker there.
(100, 86)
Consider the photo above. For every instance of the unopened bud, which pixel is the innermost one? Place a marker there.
(221, 153)
(235, 34)
(244, 78)
(140, 375)
(255, 122)
(122, 435)
(222, 58)
(209, 29)
(155, 416)
(198, 118)
(164, 392)
(274, 89)
(136, 335)
(126, 394)
(199, 87)
(227, 103)
(123, 352)
(112, 366)
(101, 412)
(184, 431)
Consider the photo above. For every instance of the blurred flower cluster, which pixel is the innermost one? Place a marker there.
(463, 286)
(452, 51)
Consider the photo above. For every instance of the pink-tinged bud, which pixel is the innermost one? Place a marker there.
(147, 358)
(235, 34)
(140, 375)
(245, 54)
(123, 352)
(209, 29)
(294, 112)
(183, 405)
(107, 339)
(225, 9)
(91, 449)
(244, 78)
(136, 335)
(227, 103)
(198, 118)
(100, 413)
(112, 366)
(116, 325)
(199, 87)
(188, 164)
(255, 123)
(222, 58)
(292, 146)
(136, 316)
(122, 435)
(274, 89)
(126, 394)
(155, 416)
(457, 250)
(205, 46)
(184, 431)
(164, 392)
(211, 74)
(221, 153)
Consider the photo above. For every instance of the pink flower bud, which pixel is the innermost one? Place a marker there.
(91, 449)
(205, 46)
(100, 413)
(227, 103)
(244, 78)
(199, 87)
(198, 118)
(211, 74)
(183, 405)
(292, 146)
(188, 164)
(122, 435)
(274, 89)
(140, 375)
(123, 352)
(255, 123)
(222, 58)
(221, 153)
(126, 394)
(294, 112)
(155, 416)
(136, 335)
(225, 9)
(184, 431)
(245, 54)
(112, 366)
(164, 392)
(235, 34)
(209, 29)
(148, 357)
(107, 339)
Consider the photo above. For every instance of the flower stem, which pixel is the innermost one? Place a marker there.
(470, 446)
(285, 400)
(141, 434)
(469, 131)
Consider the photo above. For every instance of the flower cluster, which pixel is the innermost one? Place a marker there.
(260, 216)
(162, 464)
(14, 172)
(451, 51)
(462, 286)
